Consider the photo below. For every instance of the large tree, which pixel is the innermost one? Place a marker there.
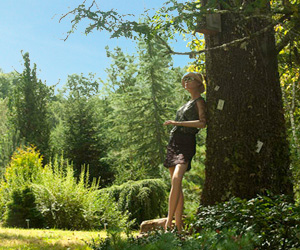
(84, 141)
(247, 150)
(141, 95)
(29, 104)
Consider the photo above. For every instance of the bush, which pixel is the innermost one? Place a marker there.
(144, 199)
(53, 197)
(24, 168)
(274, 218)
(66, 203)
(160, 240)
(22, 210)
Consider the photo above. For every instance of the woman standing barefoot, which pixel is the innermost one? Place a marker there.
(182, 145)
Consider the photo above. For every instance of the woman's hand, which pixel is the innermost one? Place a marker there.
(169, 122)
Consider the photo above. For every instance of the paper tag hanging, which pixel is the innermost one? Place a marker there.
(259, 146)
(220, 104)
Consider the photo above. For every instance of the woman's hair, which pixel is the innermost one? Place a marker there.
(198, 77)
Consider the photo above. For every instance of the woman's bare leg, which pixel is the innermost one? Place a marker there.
(179, 212)
(176, 196)
(179, 208)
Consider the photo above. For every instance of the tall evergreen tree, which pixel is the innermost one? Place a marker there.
(157, 83)
(84, 141)
(30, 108)
(141, 99)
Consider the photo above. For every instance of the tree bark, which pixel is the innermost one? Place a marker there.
(246, 78)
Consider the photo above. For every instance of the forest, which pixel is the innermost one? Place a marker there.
(89, 155)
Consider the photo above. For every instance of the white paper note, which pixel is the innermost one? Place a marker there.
(220, 104)
(259, 146)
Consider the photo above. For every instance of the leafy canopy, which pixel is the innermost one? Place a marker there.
(175, 17)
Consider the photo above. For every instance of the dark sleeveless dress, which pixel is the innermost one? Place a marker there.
(182, 143)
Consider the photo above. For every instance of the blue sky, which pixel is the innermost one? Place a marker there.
(33, 26)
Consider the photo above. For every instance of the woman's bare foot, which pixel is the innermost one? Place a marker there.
(168, 225)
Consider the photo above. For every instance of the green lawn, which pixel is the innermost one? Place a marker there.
(39, 239)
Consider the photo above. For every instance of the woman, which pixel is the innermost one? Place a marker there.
(182, 145)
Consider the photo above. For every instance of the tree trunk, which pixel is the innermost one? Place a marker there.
(246, 78)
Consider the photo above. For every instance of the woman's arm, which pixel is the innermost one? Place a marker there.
(201, 123)
(191, 124)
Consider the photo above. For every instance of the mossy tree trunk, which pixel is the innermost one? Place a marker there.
(246, 78)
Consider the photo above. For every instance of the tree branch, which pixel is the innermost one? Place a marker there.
(223, 46)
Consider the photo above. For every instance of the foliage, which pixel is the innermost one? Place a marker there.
(141, 98)
(274, 218)
(167, 240)
(25, 168)
(21, 211)
(243, 24)
(7, 81)
(82, 131)
(30, 110)
(144, 200)
(61, 201)
(7, 137)
(57, 111)
(289, 65)
(66, 203)
(193, 180)
(184, 18)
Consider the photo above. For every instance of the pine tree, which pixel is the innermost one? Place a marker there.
(157, 81)
(30, 108)
(142, 99)
(84, 144)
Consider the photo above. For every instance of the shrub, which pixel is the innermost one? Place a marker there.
(53, 197)
(66, 203)
(24, 168)
(144, 199)
(160, 240)
(274, 218)
(22, 210)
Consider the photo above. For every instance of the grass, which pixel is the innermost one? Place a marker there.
(44, 239)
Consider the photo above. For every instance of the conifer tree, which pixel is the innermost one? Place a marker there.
(30, 108)
(141, 99)
(84, 143)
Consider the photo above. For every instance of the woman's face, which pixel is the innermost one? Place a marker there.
(191, 84)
